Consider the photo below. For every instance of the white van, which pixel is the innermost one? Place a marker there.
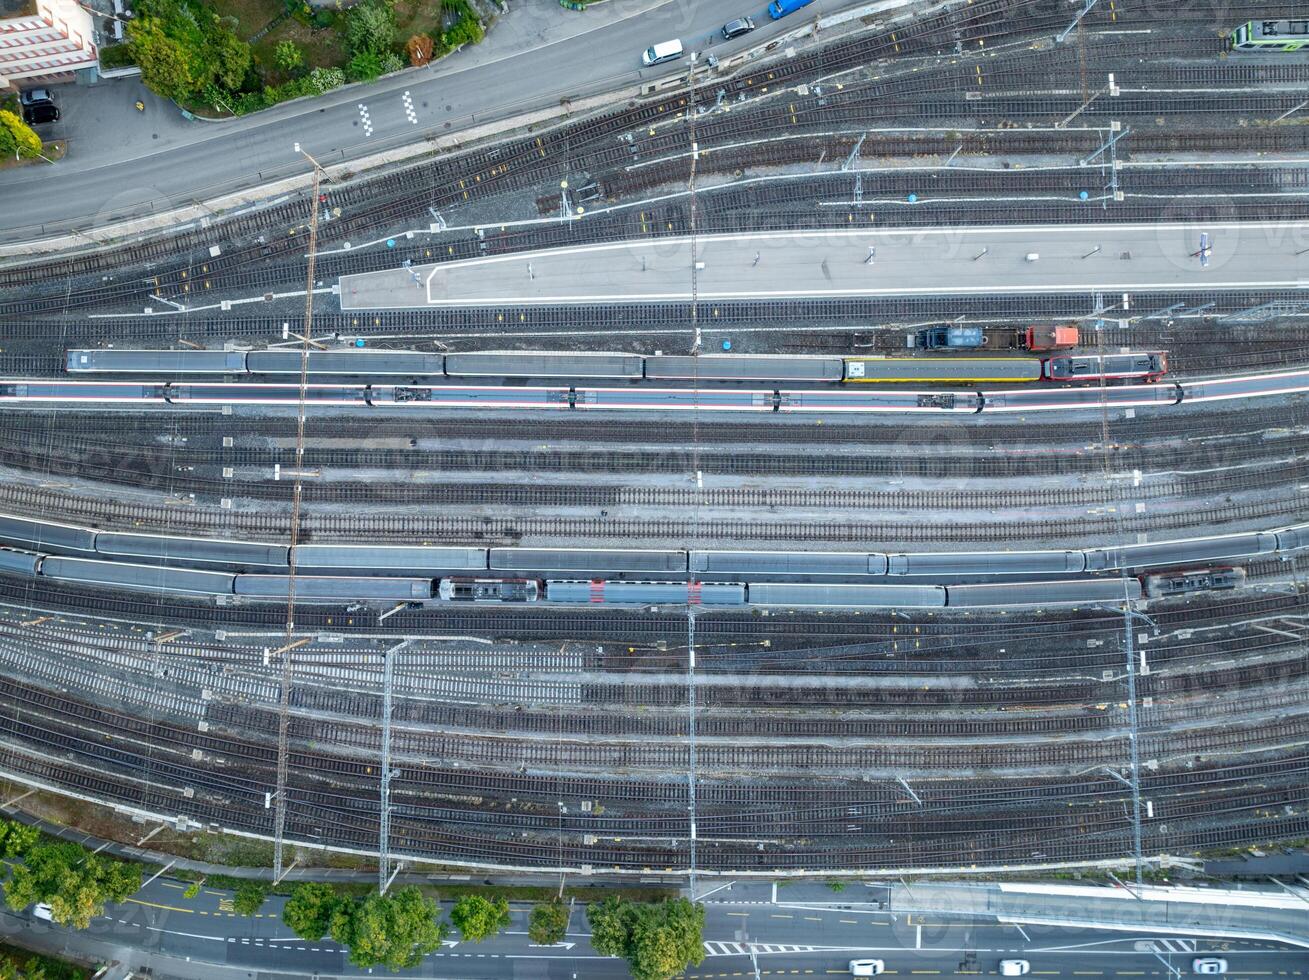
(42, 911)
(661, 52)
(867, 968)
(1015, 968)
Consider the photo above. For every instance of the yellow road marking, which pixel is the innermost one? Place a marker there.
(156, 905)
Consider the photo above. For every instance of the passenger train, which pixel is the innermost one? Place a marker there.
(1271, 35)
(1143, 367)
(171, 580)
(415, 572)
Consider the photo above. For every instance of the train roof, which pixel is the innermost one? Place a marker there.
(789, 562)
(586, 560)
(372, 363)
(1046, 593)
(152, 578)
(882, 596)
(41, 535)
(527, 364)
(657, 593)
(156, 361)
(390, 556)
(1279, 30)
(13, 560)
(335, 587)
(169, 548)
(739, 367)
(948, 370)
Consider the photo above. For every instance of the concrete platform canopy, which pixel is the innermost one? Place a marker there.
(851, 263)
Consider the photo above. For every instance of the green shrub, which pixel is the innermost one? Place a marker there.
(287, 56)
(326, 79)
(249, 896)
(117, 56)
(364, 67)
(467, 30)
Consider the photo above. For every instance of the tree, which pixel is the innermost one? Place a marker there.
(231, 57)
(22, 138)
(249, 896)
(548, 923)
(395, 930)
(184, 47)
(608, 921)
(165, 66)
(657, 940)
(73, 882)
(309, 910)
(16, 839)
(419, 49)
(370, 26)
(287, 56)
(479, 918)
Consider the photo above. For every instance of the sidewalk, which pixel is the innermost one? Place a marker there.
(1247, 913)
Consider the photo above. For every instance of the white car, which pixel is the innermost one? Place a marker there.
(663, 51)
(42, 911)
(867, 968)
(1015, 968)
(1210, 965)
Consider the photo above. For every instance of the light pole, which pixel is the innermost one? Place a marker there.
(318, 167)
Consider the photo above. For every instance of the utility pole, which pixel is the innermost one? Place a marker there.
(297, 491)
(384, 818)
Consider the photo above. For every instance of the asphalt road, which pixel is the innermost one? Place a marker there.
(788, 939)
(170, 164)
(839, 263)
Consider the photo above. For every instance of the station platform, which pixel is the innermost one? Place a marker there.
(851, 263)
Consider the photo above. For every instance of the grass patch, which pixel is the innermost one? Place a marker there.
(251, 15)
(322, 48)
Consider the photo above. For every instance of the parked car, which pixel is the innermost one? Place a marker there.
(38, 106)
(661, 52)
(1015, 968)
(1211, 965)
(867, 968)
(43, 911)
(735, 28)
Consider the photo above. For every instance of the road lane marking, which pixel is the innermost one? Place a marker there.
(156, 905)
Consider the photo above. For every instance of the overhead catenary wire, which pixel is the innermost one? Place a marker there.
(297, 491)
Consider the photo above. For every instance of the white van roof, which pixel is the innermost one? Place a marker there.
(665, 48)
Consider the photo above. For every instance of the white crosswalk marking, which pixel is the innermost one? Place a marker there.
(409, 110)
(363, 114)
(761, 949)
